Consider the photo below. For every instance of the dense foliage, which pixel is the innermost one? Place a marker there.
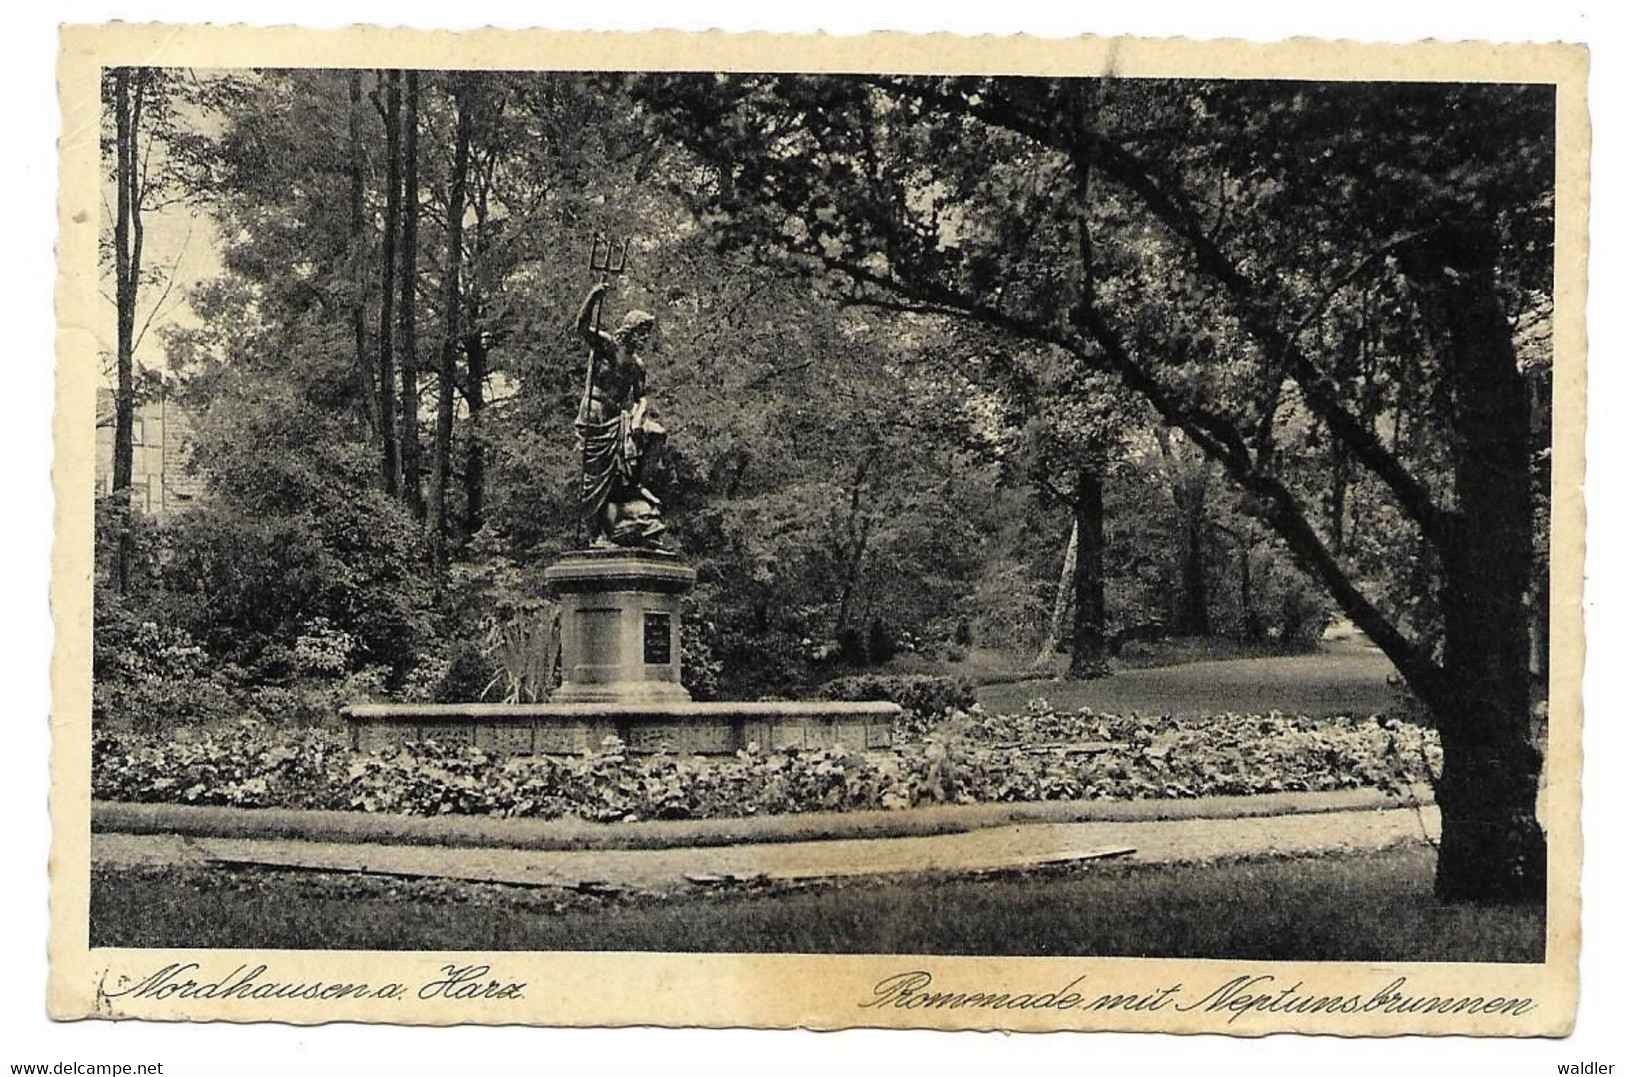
(850, 484)
(962, 758)
(922, 694)
(1339, 292)
(945, 361)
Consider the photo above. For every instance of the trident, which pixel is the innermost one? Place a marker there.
(606, 259)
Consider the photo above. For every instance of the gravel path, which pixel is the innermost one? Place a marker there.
(665, 870)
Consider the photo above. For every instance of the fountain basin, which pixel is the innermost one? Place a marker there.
(572, 728)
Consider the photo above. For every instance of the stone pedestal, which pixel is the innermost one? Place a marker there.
(621, 619)
(620, 625)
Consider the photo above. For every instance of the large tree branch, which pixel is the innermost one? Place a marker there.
(1320, 392)
(1216, 435)
(1377, 254)
(1169, 205)
(1285, 513)
(1065, 497)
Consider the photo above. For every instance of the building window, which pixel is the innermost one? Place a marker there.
(138, 431)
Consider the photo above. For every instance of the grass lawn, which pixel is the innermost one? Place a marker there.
(1338, 680)
(1376, 907)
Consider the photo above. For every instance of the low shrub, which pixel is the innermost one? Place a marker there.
(149, 704)
(702, 671)
(315, 701)
(1042, 725)
(246, 764)
(924, 694)
(962, 761)
(154, 705)
(424, 678)
(469, 676)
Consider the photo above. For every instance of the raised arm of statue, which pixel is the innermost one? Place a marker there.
(588, 314)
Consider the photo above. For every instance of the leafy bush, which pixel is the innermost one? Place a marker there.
(755, 664)
(152, 676)
(468, 677)
(313, 702)
(157, 703)
(244, 765)
(702, 671)
(965, 759)
(287, 576)
(323, 650)
(882, 643)
(147, 650)
(424, 678)
(1304, 615)
(277, 704)
(924, 694)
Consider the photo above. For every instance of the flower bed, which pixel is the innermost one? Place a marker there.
(964, 757)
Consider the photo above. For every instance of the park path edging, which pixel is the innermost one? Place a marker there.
(1013, 847)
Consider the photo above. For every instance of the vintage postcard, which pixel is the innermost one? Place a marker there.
(746, 530)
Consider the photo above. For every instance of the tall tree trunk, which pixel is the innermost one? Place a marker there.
(1337, 497)
(1191, 617)
(477, 350)
(1063, 599)
(1252, 629)
(358, 279)
(852, 577)
(127, 240)
(474, 466)
(411, 451)
(1188, 481)
(1538, 614)
(1491, 845)
(855, 549)
(387, 402)
(451, 336)
(1089, 650)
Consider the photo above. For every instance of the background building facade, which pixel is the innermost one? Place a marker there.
(161, 482)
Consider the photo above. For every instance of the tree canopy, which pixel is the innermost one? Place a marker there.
(1283, 272)
(943, 358)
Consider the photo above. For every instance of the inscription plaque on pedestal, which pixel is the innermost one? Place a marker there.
(657, 639)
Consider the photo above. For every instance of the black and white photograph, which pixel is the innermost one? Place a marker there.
(907, 512)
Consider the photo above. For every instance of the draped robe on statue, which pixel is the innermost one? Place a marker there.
(622, 446)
